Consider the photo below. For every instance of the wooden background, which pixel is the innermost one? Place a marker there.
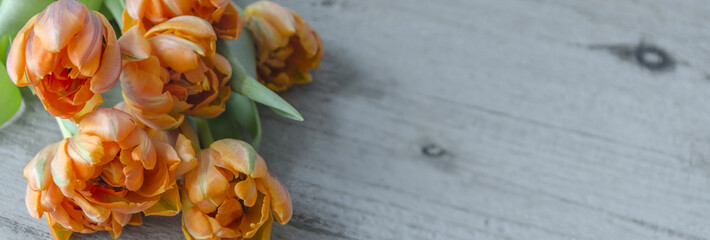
(475, 119)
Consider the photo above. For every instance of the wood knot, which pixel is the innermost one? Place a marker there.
(432, 150)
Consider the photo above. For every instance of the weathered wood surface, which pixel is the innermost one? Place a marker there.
(474, 119)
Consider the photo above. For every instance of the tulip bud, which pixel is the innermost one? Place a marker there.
(287, 47)
(230, 194)
(174, 71)
(103, 177)
(69, 55)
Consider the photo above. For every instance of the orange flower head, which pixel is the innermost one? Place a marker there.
(103, 177)
(287, 47)
(221, 14)
(69, 55)
(173, 70)
(231, 195)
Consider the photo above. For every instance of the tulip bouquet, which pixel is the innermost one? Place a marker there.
(185, 136)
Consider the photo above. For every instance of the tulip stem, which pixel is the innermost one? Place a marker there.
(204, 132)
(68, 128)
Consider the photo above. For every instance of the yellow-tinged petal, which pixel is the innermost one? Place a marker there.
(86, 148)
(240, 156)
(205, 181)
(281, 204)
(156, 181)
(246, 190)
(264, 232)
(256, 216)
(59, 22)
(108, 123)
(134, 46)
(38, 170)
(186, 152)
(58, 232)
(168, 205)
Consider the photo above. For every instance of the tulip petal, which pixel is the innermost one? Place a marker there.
(86, 148)
(168, 205)
(134, 46)
(38, 170)
(51, 198)
(230, 210)
(281, 204)
(240, 156)
(186, 26)
(195, 224)
(84, 50)
(256, 217)
(186, 152)
(229, 26)
(177, 53)
(94, 212)
(135, 9)
(131, 203)
(58, 232)
(62, 170)
(205, 181)
(132, 170)
(155, 181)
(246, 190)
(58, 22)
(32, 202)
(16, 55)
(107, 75)
(39, 61)
(108, 123)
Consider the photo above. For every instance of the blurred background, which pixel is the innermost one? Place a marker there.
(475, 119)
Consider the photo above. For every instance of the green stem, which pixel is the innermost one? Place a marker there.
(66, 131)
(204, 132)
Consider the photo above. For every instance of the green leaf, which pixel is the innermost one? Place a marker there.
(15, 13)
(10, 97)
(240, 121)
(93, 4)
(5, 42)
(243, 80)
(116, 8)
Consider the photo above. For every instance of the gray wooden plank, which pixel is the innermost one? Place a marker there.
(545, 131)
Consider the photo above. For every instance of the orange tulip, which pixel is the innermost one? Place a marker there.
(69, 55)
(287, 47)
(222, 14)
(173, 70)
(103, 177)
(230, 194)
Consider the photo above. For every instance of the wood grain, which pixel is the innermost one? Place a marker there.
(474, 119)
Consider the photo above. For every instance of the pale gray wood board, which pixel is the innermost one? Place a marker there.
(539, 124)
